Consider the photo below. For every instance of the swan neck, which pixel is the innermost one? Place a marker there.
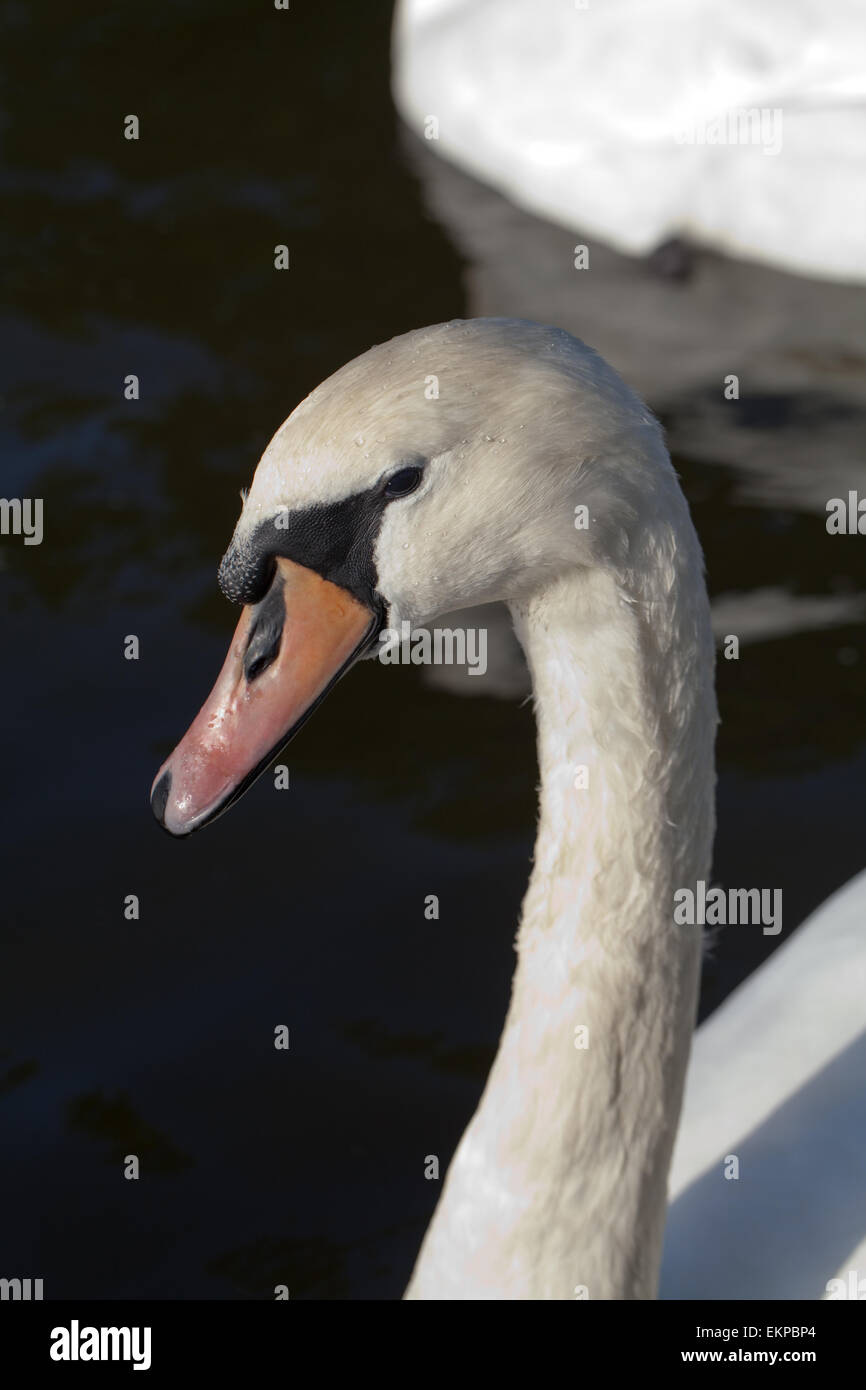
(558, 1188)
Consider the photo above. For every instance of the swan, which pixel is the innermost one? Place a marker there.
(739, 126)
(775, 1080)
(379, 502)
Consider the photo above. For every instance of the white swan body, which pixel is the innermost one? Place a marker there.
(776, 1081)
(623, 120)
(558, 1187)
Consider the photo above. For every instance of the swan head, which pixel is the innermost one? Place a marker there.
(442, 469)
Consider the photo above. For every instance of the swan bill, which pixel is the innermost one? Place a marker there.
(286, 653)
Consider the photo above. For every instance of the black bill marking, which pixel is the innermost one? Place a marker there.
(336, 539)
(159, 796)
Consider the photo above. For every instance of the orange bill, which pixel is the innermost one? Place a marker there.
(286, 653)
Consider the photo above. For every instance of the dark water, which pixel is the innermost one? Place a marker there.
(305, 907)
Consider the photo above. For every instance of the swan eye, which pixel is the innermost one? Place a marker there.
(403, 482)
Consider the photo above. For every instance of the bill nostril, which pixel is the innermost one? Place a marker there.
(253, 669)
(159, 796)
(262, 650)
(266, 635)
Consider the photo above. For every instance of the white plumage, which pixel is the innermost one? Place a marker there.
(740, 125)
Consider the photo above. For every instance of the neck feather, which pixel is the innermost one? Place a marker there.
(559, 1183)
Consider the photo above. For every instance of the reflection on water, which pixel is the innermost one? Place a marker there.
(307, 907)
(374, 1038)
(307, 1268)
(123, 1134)
(16, 1074)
